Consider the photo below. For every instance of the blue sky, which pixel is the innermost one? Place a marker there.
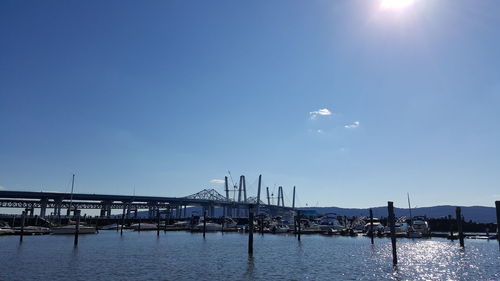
(354, 104)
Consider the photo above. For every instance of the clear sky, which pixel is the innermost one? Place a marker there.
(355, 102)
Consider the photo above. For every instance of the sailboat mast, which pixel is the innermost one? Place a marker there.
(71, 196)
(409, 207)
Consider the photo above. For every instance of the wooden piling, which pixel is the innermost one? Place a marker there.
(450, 221)
(158, 222)
(222, 225)
(459, 224)
(497, 205)
(295, 224)
(167, 219)
(298, 225)
(22, 226)
(250, 229)
(204, 222)
(77, 227)
(123, 222)
(392, 225)
(372, 232)
(262, 225)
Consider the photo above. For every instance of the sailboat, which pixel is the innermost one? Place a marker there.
(72, 228)
(419, 227)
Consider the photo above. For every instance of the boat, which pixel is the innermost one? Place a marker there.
(144, 226)
(6, 231)
(32, 230)
(71, 229)
(113, 226)
(279, 228)
(377, 226)
(328, 222)
(421, 226)
(5, 228)
(210, 226)
(401, 227)
(411, 233)
(181, 224)
(230, 223)
(308, 227)
(418, 227)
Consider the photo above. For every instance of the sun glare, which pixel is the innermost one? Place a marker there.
(395, 4)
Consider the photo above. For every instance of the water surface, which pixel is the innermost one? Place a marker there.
(186, 256)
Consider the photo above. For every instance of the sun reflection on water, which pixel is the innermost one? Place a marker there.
(431, 260)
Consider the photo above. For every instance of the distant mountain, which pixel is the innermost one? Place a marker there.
(474, 213)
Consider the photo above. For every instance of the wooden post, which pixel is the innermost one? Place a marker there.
(77, 226)
(97, 224)
(262, 225)
(258, 194)
(295, 223)
(298, 225)
(123, 221)
(450, 222)
(167, 219)
(250, 229)
(22, 226)
(158, 222)
(390, 209)
(204, 222)
(371, 226)
(459, 224)
(497, 205)
(222, 224)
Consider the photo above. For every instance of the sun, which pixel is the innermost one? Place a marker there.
(395, 4)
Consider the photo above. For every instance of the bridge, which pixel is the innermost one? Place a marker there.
(208, 199)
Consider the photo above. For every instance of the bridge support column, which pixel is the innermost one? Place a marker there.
(150, 212)
(57, 207)
(204, 210)
(108, 209)
(178, 211)
(43, 207)
(185, 210)
(128, 210)
(103, 209)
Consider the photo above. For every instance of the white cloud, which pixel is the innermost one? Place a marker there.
(353, 125)
(322, 112)
(217, 181)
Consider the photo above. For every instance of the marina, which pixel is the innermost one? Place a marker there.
(250, 140)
